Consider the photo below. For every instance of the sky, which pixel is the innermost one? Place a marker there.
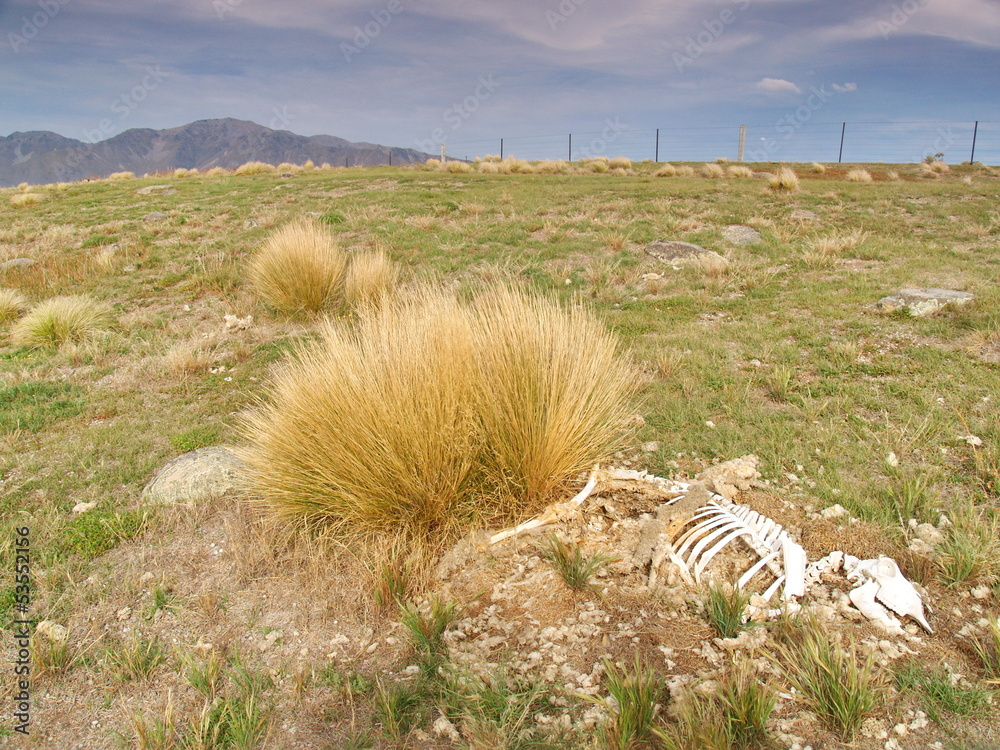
(909, 77)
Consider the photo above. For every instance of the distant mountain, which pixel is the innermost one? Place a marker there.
(39, 157)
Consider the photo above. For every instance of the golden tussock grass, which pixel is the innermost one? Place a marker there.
(713, 171)
(432, 163)
(26, 199)
(121, 176)
(286, 166)
(180, 172)
(71, 319)
(839, 243)
(298, 268)
(599, 165)
(740, 172)
(685, 171)
(557, 166)
(371, 277)
(455, 167)
(935, 167)
(785, 180)
(859, 175)
(253, 167)
(667, 170)
(429, 417)
(216, 172)
(620, 162)
(817, 168)
(12, 304)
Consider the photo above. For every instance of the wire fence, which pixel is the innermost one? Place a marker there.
(792, 138)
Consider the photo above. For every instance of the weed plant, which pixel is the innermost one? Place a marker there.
(725, 607)
(574, 567)
(637, 692)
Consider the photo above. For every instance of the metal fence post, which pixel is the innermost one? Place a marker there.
(975, 130)
(501, 149)
(570, 155)
(743, 140)
(840, 156)
(657, 158)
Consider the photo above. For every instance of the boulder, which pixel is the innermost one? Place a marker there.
(156, 190)
(921, 302)
(739, 234)
(154, 216)
(800, 214)
(679, 254)
(17, 263)
(195, 477)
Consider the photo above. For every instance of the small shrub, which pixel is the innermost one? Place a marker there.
(371, 277)
(252, 168)
(574, 567)
(620, 162)
(551, 167)
(784, 181)
(26, 199)
(740, 171)
(817, 168)
(216, 172)
(637, 693)
(725, 607)
(121, 176)
(12, 304)
(433, 163)
(839, 687)
(859, 175)
(713, 171)
(298, 269)
(667, 170)
(60, 320)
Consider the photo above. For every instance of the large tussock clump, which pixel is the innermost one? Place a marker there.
(429, 416)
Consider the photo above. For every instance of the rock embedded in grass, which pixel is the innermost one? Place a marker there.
(740, 234)
(17, 263)
(922, 302)
(679, 254)
(156, 190)
(194, 477)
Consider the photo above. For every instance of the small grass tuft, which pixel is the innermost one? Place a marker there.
(713, 171)
(784, 181)
(61, 320)
(739, 171)
(667, 170)
(817, 168)
(941, 693)
(252, 168)
(970, 553)
(121, 176)
(637, 693)
(136, 659)
(987, 648)
(12, 304)
(427, 626)
(574, 567)
(859, 175)
(298, 269)
(20, 200)
(398, 708)
(725, 607)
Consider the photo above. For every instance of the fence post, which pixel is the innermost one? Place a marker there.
(657, 159)
(390, 157)
(743, 140)
(501, 149)
(972, 157)
(444, 153)
(840, 156)
(570, 156)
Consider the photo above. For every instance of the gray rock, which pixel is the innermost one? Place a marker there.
(156, 190)
(763, 175)
(677, 254)
(921, 302)
(739, 234)
(194, 477)
(154, 216)
(800, 214)
(17, 263)
(929, 534)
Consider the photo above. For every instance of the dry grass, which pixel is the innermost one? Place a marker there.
(298, 269)
(713, 171)
(60, 320)
(859, 175)
(253, 167)
(489, 167)
(784, 181)
(12, 304)
(431, 417)
(121, 176)
(740, 172)
(685, 171)
(371, 277)
(456, 167)
(26, 199)
(599, 165)
(216, 172)
(817, 168)
(620, 162)
(286, 166)
(892, 175)
(935, 167)
(667, 170)
(432, 163)
(181, 173)
(557, 166)
(838, 243)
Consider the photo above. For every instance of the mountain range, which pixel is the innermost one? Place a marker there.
(40, 156)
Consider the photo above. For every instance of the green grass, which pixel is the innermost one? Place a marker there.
(32, 406)
(940, 697)
(725, 608)
(574, 567)
(637, 691)
(95, 532)
(196, 437)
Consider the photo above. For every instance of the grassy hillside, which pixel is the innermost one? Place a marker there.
(780, 355)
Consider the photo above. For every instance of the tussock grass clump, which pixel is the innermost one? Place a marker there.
(371, 277)
(620, 162)
(456, 167)
(725, 607)
(817, 168)
(216, 172)
(599, 164)
(987, 648)
(667, 170)
(550, 166)
(431, 416)
(298, 269)
(859, 175)
(287, 166)
(181, 172)
(492, 158)
(432, 163)
(60, 320)
(637, 693)
(840, 687)
(713, 171)
(740, 171)
(253, 167)
(26, 199)
(121, 176)
(935, 167)
(574, 567)
(12, 304)
(970, 553)
(685, 171)
(784, 181)
(489, 167)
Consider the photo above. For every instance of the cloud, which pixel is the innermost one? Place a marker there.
(843, 89)
(777, 86)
